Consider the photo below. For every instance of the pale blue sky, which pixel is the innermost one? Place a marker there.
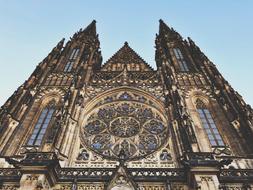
(222, 28)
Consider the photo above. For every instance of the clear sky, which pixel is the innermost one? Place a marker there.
(221, 28)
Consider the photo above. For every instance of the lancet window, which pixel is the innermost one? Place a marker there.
(72, 58)
(68, 66)
(180, 59)
(209, 124)
(41, 126)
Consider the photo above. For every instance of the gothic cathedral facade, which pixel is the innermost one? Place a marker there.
(78, 124)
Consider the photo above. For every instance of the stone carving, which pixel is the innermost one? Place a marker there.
(127, 126)
(9, 187)
(83, 155)
(126, 57)
(124, 112)
(165, 155)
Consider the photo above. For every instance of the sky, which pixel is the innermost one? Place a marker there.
(221, 28)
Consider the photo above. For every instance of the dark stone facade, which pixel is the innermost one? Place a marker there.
(79, 124)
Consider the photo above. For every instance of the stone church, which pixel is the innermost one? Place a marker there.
(78, 124)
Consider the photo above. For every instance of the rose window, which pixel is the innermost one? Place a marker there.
(124, 127)
(133, 128)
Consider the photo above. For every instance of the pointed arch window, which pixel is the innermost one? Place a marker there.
(180, 59)
(72, 58)
(74, 53)
(68, 66)
(41, 126)
(209, 124)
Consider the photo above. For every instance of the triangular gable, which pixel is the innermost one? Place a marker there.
(122, 180)
(127, 58)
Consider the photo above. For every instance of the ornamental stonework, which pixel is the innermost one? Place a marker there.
(80, 124)
(126, 126)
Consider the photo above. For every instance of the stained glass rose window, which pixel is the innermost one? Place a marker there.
(134, 127)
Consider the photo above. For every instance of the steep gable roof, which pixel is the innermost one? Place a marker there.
(126, 57)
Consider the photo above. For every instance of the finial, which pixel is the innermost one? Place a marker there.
(126, 43)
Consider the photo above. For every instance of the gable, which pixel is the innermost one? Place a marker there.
(127, 58)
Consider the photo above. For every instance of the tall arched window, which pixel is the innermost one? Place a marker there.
(41, 126)
(180, 59)
(71, 60)
(68, 66)
(209, 124)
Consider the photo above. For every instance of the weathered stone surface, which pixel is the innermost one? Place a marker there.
(76, 124)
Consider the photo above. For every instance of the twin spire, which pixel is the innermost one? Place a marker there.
(125, 56)
(91, 28)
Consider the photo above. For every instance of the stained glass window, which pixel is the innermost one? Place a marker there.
(209, 125)
(68, 67)
(180, 59)
(124, 125)
(74, 53)
(41, 126)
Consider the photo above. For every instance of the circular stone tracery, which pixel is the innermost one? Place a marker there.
(124, 127)
(127, 126)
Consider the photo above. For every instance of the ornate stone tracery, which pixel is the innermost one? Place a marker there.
(124, 124)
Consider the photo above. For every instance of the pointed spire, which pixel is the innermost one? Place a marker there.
(163, 27)
(167, 31)
(91, 28)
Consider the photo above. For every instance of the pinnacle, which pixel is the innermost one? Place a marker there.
(163, 24)
(91, 28)
(161, 21)
(169, 31)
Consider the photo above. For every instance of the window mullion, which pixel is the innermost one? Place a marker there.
(76, 54)
(70, 66)
(180, 59)
(185, 66)
(42, 123)
(66, 67)
(37, 127)
(210, 127)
